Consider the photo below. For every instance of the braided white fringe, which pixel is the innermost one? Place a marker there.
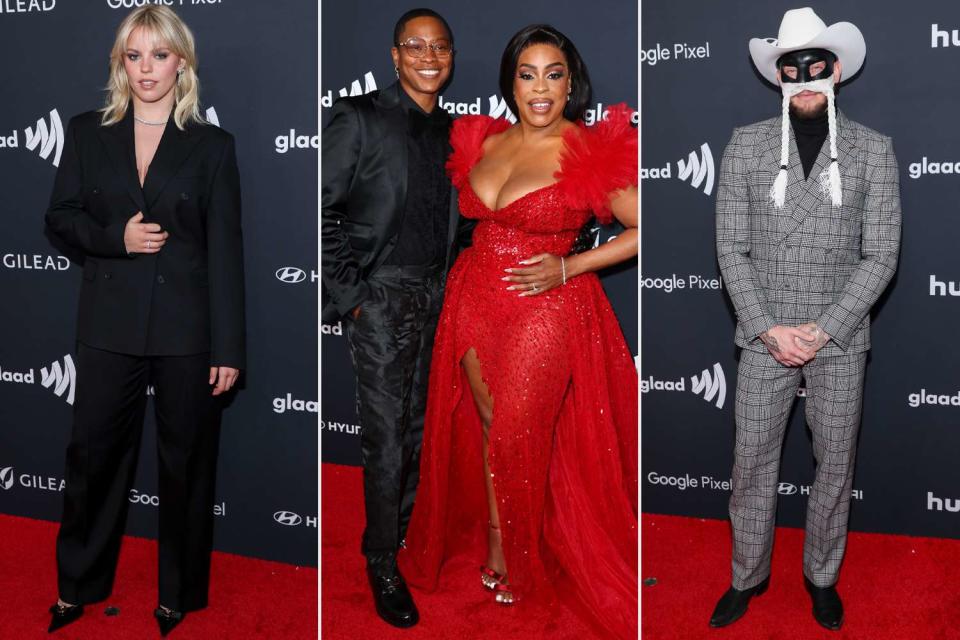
(778, 192)
(830, 179)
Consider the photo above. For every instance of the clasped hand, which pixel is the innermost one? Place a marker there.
(544, 273)
(794, 346)
(143, 237)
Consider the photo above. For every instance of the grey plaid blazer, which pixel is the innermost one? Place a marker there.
(809, 261)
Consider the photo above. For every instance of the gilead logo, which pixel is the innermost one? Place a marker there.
(6, 477)
(27, 6)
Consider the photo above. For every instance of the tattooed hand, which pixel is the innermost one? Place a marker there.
(782, 343)
(815, 338)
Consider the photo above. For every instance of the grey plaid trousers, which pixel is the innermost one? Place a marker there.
(766, 391)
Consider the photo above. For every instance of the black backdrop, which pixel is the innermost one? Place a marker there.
(907, 473)
(257, 70)
(355, 52)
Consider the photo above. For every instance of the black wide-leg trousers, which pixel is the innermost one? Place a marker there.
(108, 414)
(391, 344)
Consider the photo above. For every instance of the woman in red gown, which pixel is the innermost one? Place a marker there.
(530, 443)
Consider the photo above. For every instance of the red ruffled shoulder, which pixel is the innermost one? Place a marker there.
(598, 160)
(466, 138)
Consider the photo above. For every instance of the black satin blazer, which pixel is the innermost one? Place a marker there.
(363, 194)
(189, 297)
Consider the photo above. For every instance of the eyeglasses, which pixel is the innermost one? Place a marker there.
(417, 48)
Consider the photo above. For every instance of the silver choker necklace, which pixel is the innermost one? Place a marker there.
(148, 122)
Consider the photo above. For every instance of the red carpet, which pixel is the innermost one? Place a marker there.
(248, 598)
(893, 587)
(460, 608)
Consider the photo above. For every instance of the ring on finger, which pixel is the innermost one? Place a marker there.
(534, 285)
(149, 243)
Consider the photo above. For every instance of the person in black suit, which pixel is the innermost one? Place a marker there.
(150, 194)
(389, 227)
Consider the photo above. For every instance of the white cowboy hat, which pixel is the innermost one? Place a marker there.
(803, 29)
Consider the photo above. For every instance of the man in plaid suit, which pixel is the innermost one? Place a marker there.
(808, 236)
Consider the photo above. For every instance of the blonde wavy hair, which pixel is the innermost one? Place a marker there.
(167, 28)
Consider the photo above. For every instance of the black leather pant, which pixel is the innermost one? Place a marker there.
(391, 344)
(111, 399)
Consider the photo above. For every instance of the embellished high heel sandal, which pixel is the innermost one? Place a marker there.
(495, 581)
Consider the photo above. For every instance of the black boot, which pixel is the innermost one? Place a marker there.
(61, 616)
(167, 619)
(734, 603)
(827, 608)
(390, 594)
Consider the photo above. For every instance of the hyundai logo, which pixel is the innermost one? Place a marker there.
(287, 518)
(291, 275)
(786, 489)
(6, 477)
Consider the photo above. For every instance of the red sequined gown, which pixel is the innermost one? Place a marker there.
(563, 441)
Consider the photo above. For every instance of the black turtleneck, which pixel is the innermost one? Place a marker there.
(810, 134)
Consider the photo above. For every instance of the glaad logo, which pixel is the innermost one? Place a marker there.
(939, 38)
(6, 477)
(713, 386)
(500, 109)
(44, 138)
(47, 138)
(926, 167)
(697, 168)
(291, 275)
(331, 329)
(27, 6)
(287, 141)
(282, 405)
(943, 400)
(61, 379)
(354, 89)
(942, 288)
(595, 114)
(933, 503)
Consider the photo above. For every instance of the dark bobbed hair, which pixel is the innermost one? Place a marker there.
(581, 92)
(418, 13)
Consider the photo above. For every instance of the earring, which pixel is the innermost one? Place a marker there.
(179, 74)
(396, 70)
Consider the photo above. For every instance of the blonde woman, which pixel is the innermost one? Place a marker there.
(150, 194)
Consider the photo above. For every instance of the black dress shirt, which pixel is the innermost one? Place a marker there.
(423, 234)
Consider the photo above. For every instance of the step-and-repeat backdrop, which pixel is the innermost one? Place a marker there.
(257, 71)
(355, 52)
(698, 84)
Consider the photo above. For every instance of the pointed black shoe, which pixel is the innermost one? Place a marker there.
(390, 593)
(827, 608)
(62, 616)
(167, 619)
(733, 604)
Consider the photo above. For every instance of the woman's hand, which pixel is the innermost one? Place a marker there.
(224, 377)
(140, 237)
(545, 273)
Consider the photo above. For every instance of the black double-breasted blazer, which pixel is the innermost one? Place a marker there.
(363, 195)
(189, 297)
